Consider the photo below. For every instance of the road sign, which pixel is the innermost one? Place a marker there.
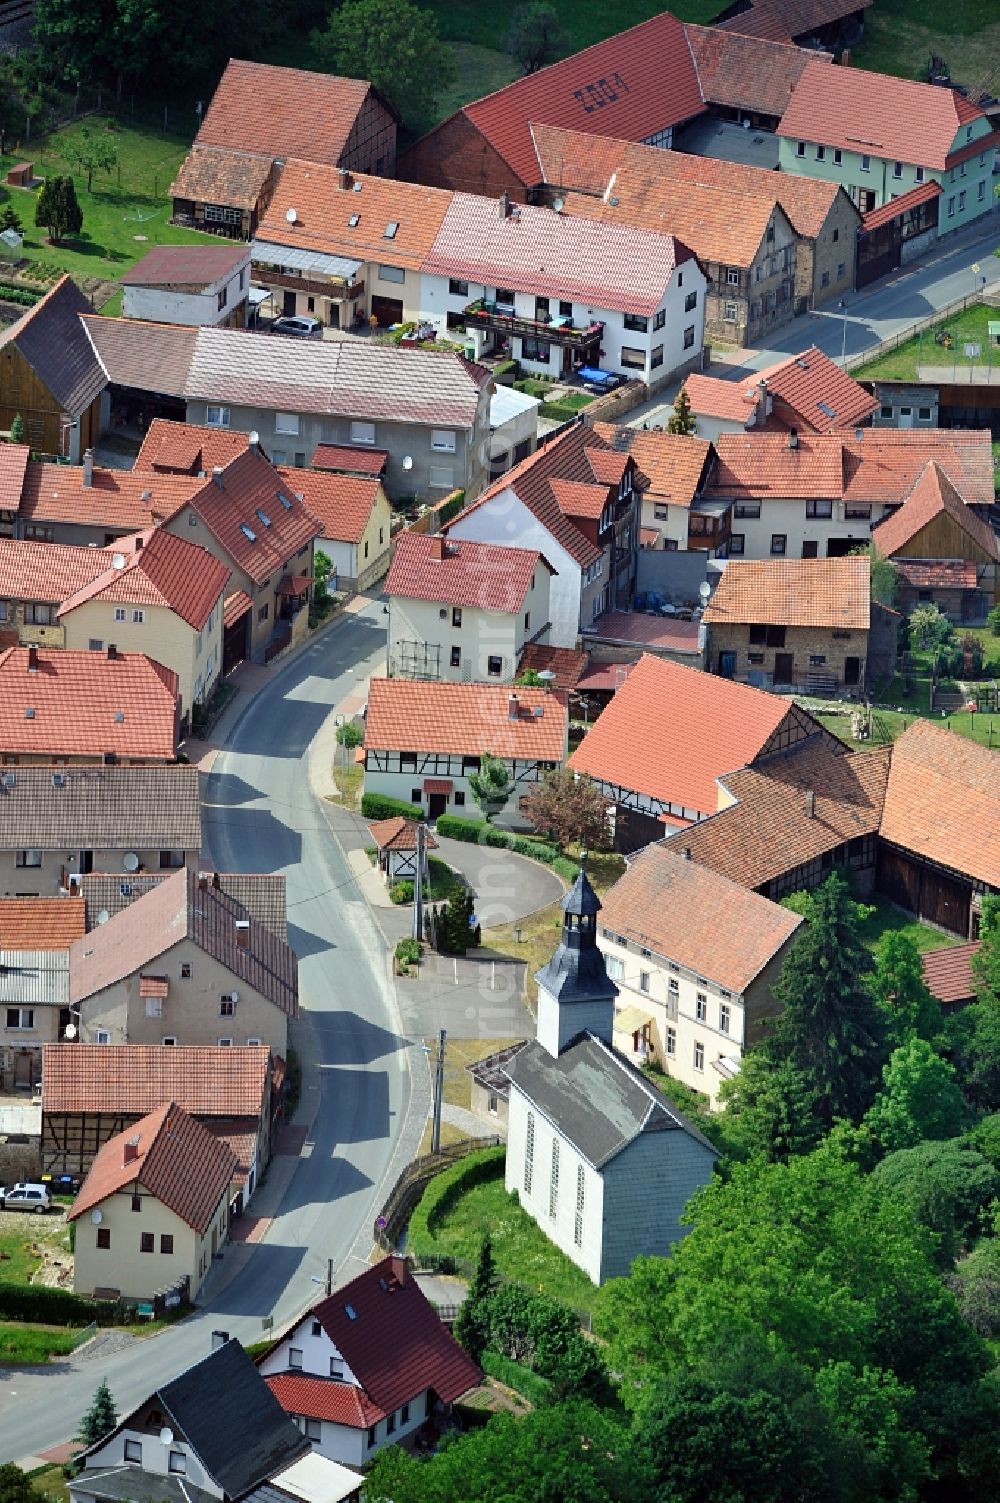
(975, 267)
(972, 351)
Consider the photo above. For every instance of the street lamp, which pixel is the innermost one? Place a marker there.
(842, 308)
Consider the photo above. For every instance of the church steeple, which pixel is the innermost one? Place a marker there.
(575, 994)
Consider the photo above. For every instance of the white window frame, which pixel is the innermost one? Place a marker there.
(442, 441)
(286, 422)
(362, 432)
(216, 416)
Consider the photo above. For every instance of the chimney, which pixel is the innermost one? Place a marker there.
(32, 659)
(242, 934)
(202, 882)
(112, 653)
(88, 467)
(217, 881)
(436, 550)
(344, 179)
(253, 439)
(138, 545)
(793, 438)
(810, 804)
(74, 885)
(504, 205)
(513, 707)
(217, 476)
(132, 1150)
(399, 1269)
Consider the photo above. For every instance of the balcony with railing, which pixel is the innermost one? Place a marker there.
(501, 319)
(709, 524)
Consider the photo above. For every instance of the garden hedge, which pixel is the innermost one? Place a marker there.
(54, 1307)
(381, 806)
(481, 832)
(536, 1389)
(445, 1190)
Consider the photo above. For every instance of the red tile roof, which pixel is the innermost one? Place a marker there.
(604, 678)
(674, 907)
(713, 396)
(236, 605)
(211, 175)
(766, 464)
(169, 1156)
(655, 632)
(282, 112)
(48, 571)
(937, 573)
(399, 834)
(888, 117)
(324, 1399)
(943, 801)
(186, 265)
(464, 719)
(86, 704)
(244, 510)
(948, 972)
(922, 194)
(565, 662)
(790, 18)
(159, 569)
(933, 495)
(188, 447)
(342, 504)
(121, 500)
(695, 727)
(350, 461)
(747, 73)
(395, 1343)
(702, 218)
(13, 465)
(673, 464)
(801, 383)
(458, 571)
(41, 923)
(833, 592)
(206, 1080)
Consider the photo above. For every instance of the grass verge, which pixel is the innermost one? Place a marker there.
(900, 364)
(901, 35)
(31, 1345)
(49, 1483)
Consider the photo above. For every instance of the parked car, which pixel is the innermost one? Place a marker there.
(303, 326)
(25, 1197)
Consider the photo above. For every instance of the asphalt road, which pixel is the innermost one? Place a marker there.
(261, 816)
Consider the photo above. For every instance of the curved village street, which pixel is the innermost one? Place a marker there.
(261, 815)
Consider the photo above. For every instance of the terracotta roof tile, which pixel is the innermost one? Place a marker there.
(40, 923)
(324, 1399)
(695, 728)
(834, 592)
(746, 73)
(342, 504)
(13, 467)
(244, 510)
(101, 809)
(86, 704)
(160, 569)
(256, 895)
(48, 571)
(350, 461)
(124, 500)
(282, 112)
(933, 495)
(890, 117)
(242, 1145)
(186, 265)
(154, 986)
(713, 396)
(691, 915)
(53, 344)
(209, 175)
(399, 834)
(766, 464)
(673, 464)
(458, 571)
(465, 719)
(662, 633)
(236, 605)
(699, 217)
(169, 1156)
(937, 573)
(565, 662)
(206, 1080)
(790, 18)
(922, 194)
(801, 383)
(948, 972)
(770, 830)
(943, 801)
(188, 447)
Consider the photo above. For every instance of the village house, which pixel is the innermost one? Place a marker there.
(943, 551)
(156, 1201)
(60, 821)
(808, 624)
(694, 728)
(423, 739)
(676, 467)
(600, 1159)
(51, 377)
(35, 938)
(259, 116)
(215, 1432)
(489, 1087)
(190, 284)
(695, 958)
(259, 896)
(650, 185)
(464, 611)
(807, 392)
(80, 707)
(82, 505)
(880, 137)
(428, 409)
(369, 1366)
(160, 594)
(91, 1092)
(35, 578)
(13, 466)
(356, 520)
(182, 965)
(575, 500)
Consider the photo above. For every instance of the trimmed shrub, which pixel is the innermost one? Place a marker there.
(457, 828)
(54, 1307)
(558, 412)
(445, 1190)
(402, 891)
(532, 1386)
(479, 832)
(381, 806)
(408, 951)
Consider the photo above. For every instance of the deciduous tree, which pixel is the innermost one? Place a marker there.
(948, 1187)
(15, 1486)
(919, 1099)
(898, 986)
(92, 151)
(569, 808)
(394, 44)
(536, 36)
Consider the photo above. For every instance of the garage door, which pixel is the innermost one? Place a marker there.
(388, 310)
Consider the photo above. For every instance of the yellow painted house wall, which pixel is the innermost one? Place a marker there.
(162, 635)
(123, 1266)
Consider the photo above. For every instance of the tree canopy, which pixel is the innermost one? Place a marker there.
(569, 809)
(536, 37)
(919, 1099)
(394, 44)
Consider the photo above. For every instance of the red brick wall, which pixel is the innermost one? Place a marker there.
(455, 155)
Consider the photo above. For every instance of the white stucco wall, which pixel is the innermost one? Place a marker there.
(561, 1228)
(166, 305)
(481, 636)
(788, 517)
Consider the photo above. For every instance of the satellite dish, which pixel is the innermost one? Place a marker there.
(103, 916)
(291, 215)
(118, 561)
(166, 1436)
(97, 1216)
(408, 462)
(69, 1032)
(130, 861)
(704, 589)
(558, 204)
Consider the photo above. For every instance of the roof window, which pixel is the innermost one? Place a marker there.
(390, 230)
(262, 516)
(354, 221)
(286, 503)
(350, 1312)
(248, 532)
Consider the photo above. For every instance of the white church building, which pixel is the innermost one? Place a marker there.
(601, 1160)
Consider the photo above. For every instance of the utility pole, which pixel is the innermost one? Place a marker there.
(418, 885)
(438, 1093)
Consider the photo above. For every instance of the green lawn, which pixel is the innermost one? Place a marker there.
(901, 363)
(34, 1344)
(49, 1483)
(585, 21)
(980, 727)
(901, 35)
(886, 918)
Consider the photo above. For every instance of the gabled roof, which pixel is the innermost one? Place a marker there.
(325, 1399)
(155, 568)
(168, 1155)
(392, 1339)
(673, 463)
(826, 592)
(703, 218)
(147, 356)
(458, 571)
(532, 249)
(933, 495)
(943, 801)
(896, 208)
(13, 468)
(465, 719)
(34, 977)
(695, 727)
(697, 918)
(53, 344)
(748, 73)
(818, 392)
(125, 500)
(596, 1099)
(191, 449)
(282, 112)
(948, 972)
(48, 571)
(257, 895)
(206, 1080)
(565, 662)
(86, 704)
(100, 808)
(781, 19)
(186, 265)
(714, 396)
(877, 113)
(211, 175)
(254, 515)
(397, 834)
(937, 573)
(181, 908)
(342, 504)
(40, 923)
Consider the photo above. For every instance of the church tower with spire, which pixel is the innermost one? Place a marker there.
(575, 993)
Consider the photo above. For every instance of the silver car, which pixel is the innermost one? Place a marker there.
(301, 325)
(25, 1197)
